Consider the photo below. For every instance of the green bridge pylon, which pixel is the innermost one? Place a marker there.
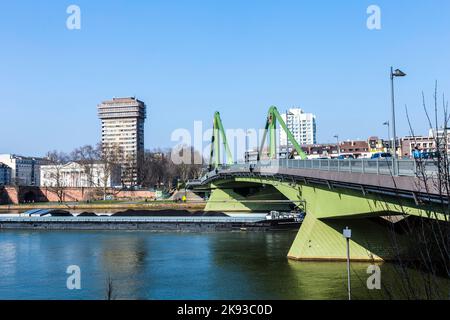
(219, 134)
(271, 126)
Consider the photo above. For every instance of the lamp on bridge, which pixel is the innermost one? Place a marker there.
(389, 134)
(396, 73)
(338, 147)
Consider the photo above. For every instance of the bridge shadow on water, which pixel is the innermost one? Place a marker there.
(267, 274)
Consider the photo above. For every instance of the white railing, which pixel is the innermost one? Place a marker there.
(366, 166)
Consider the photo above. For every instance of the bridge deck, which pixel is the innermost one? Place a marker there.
(375, 174)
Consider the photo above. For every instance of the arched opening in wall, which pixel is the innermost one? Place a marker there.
(29, 196)
(4, 196)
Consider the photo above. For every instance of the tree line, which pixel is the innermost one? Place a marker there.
(155, 168)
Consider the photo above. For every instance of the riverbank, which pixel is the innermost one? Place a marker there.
(105, 206)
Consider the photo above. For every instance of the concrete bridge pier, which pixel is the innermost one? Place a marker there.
(322, 239)
(328, 212)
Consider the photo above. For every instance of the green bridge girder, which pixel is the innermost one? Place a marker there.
(329, 211)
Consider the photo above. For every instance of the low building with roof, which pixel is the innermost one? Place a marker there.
(78, 175)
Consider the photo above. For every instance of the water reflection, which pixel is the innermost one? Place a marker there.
(145, 265)
(261, 262)
(123, 261)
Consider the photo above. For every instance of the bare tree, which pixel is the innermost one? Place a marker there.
(55, 176)
(110, 295)
(86, 156)
(129, 169)
(155, 169)
(190, 170)
(110, 161)
(100, 165)
(158, 169)
(426, 274)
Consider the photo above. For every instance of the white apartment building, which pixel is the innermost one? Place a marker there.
(75, 175)
(302, 126)
(123, 128)
(25, 171)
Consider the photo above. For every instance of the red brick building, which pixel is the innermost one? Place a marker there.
(425, 144)
(360, 149)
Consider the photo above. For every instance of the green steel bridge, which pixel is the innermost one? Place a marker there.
(361, 194)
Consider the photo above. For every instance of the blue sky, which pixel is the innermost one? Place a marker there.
(186, 59)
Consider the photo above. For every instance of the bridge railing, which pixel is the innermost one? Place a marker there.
(366, 166)
(383, 167)
(380, 167)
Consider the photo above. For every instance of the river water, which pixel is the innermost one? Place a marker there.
(146, 265)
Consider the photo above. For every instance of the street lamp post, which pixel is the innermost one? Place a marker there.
(396, 73)
(338, 148)
(389, 135)
(246, 152)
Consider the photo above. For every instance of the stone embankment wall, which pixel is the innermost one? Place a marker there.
(15, 195)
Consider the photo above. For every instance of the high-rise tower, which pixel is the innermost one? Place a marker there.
(302, 126)
(123, 129)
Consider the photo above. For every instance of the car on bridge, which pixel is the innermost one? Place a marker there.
(430, 155)
(381, 155)
(345, 156)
